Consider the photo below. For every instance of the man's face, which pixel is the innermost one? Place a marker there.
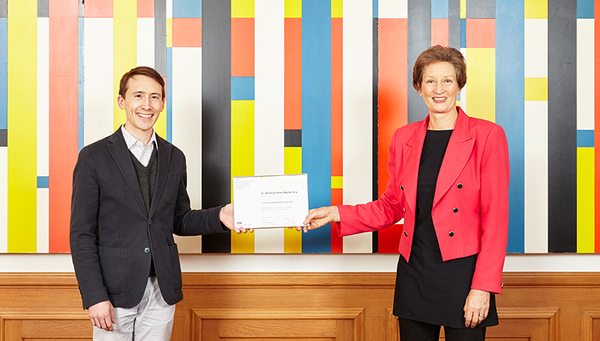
(143, 103)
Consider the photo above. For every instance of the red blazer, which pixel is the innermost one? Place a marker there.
(470, 206)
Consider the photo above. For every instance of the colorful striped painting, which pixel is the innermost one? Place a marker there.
(265, 87)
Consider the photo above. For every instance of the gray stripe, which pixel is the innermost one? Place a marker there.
(160, 37)
(81, 9)
(454, 23)
(43, 8)
(562, 125)
(481, 9)
(216, 114)
(3, 138)
(292, 138)
(419, 39)
(3, 8)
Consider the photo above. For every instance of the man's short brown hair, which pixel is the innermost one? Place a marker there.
(142, 71)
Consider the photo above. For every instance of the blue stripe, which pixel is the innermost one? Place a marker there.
(585, 138)
(80, 105)
(43, 182)
(187, 8)
(170, 94)
(439, 9)
(242, 88)
(316, 114)
(463, 33)
(375, 8)
(585, 9)
(3, 73)
(510, 108)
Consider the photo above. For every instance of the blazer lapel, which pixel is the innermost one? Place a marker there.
(457, 154)
(412, 158)
(118, 150)
(164, 161)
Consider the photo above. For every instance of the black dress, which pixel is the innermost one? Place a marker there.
(427, 289)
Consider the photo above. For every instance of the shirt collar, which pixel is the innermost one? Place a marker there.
(130, 140)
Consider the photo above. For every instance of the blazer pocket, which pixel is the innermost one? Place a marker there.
(113, 265)
(175, 267)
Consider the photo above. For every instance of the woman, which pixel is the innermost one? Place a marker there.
(449, 177)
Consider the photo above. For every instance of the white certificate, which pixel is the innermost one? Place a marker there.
(270, 201)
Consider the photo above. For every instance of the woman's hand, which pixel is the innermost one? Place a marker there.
(320, 216)
(477, 306)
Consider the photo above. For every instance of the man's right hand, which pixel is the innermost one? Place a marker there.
(102, 315)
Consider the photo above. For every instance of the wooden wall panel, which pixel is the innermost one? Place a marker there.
(303, 306)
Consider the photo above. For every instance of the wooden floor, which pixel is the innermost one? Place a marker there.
(302, 307)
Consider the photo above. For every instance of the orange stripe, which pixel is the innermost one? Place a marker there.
(481, 33)
(98, 9)
(293, 73)
(597, 127)
(242, 47)
(337, 242)
(187, 32)
(63, 126)
(145, 9)
(440, 32)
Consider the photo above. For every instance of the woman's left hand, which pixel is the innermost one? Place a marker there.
(477, 306)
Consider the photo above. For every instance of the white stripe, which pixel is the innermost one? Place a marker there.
(169, 8)
(145, 42)
(268, 105)
(3, 199)
(43, 220)
(43, 97)
(585, 74)
(536, 47)
(98, 76)
(187, 126)
(536, 176)
(358, 112)
(392, 9)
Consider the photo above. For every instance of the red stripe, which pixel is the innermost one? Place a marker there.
(336, 122)
(187, 32)
(98, 9)
(481, 33)
(440, 32)
(597, 129)
(145, 8)
(242, 47)
(393, 88)
(293, 73)
(63, 129)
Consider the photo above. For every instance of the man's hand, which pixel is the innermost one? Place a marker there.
(226, 217)
(102, 315)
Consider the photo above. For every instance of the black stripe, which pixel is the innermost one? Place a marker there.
(3, 138)
(562, 126)
(292, 138)
(160, 37)
(454, 23)
(216, 114)
(375, 103)
(419, 39)
(43, 9)
(481, 9)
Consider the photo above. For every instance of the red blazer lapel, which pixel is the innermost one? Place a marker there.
(457, 154)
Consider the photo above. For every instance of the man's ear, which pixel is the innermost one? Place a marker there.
(121, 102)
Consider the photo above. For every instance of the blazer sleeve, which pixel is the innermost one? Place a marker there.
(381, 213)
(84, 221)
(495, 179)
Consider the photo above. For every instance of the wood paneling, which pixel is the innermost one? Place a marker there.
(302, 307)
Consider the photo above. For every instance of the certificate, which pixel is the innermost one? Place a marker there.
(270, 201)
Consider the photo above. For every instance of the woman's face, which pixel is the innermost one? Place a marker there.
(439, 88)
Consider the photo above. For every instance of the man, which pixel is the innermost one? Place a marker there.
(129, 197)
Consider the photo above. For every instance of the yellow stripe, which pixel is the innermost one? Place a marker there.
(22, 127)
(585, 200)
(161, 124)
(292, 239)
(536, 89)
(293, 9)
(125, 48)
(337, 182)
(337, 8)
(242, 8)
(536, 9)
(463, 9)
(169, 32)
(481, 87)
(242, 160)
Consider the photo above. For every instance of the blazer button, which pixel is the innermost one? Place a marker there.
(403, 209)
(401, 187)
(150, 222)
(406, 233)
(455, 210)
(459, 186)
(147, 250)
(451, 233)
